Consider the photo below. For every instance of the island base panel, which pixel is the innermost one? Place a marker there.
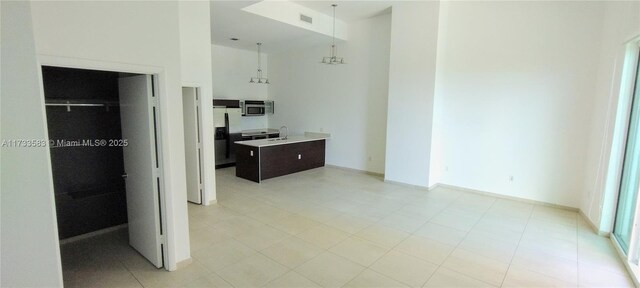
(286, 159)
(248, 162)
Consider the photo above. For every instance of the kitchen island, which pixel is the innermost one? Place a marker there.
(257, 160)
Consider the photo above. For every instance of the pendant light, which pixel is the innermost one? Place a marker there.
(259, 79)
(333, 59)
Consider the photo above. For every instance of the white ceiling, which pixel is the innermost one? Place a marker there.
(349, 10)
(229, 20)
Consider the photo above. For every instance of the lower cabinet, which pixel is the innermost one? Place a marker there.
(260, 163)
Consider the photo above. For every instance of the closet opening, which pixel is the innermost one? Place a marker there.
(103, 129)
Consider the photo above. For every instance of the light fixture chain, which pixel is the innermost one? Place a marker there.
(333, 52)
(259, 62)
(334, 24)
(259, 77)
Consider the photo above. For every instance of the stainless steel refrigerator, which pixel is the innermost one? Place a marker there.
(226, 122)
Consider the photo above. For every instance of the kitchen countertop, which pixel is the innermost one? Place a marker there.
(291, 139)
(257, 132)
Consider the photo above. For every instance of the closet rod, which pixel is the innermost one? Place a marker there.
(69, 104)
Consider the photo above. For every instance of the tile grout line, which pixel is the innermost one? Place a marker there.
(350, 234)
(382, 256)
(465, 237)
(129, 270)
(377, 222)
(259, 251)
(354, 235)
(518, 245)
(409, 235)
(295, 235)
(454, 247)
(577, 254)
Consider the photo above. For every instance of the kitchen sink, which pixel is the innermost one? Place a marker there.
(276, 139)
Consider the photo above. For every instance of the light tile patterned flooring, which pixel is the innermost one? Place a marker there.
(334, 228)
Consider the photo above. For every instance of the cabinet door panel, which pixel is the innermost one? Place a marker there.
(312, 155)
(290, 158)
(277, 161)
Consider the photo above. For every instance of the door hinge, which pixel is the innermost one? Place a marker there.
(162, 240)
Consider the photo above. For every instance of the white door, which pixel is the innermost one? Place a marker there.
(235, 115)
(192, 153)
(141, 164)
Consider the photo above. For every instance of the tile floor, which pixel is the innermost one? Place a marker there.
(334, 228)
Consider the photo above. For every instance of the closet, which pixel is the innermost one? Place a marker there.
(83, 107)
(106, 165)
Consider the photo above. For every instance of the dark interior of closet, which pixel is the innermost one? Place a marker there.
(88, 184)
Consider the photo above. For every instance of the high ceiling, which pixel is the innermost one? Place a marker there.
(228, 20)
(349, 10)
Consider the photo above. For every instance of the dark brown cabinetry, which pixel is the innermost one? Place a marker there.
(260, 163)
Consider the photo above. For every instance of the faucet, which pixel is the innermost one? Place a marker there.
(286, 132)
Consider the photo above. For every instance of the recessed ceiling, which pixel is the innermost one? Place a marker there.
(349, 10)
(228, 20)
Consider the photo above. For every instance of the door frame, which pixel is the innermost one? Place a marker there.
(619, 115)
(158, 75)
(618, 151)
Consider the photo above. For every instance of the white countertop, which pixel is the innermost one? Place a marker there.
(291, 139)
(257, 132)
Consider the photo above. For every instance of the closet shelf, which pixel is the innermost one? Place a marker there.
(81, 103)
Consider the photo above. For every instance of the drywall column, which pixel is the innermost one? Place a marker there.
(621, 23)
(137, 37)
(195, 58)
(30, 254)
(412, 72)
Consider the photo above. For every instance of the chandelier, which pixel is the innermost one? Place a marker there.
(259, 79)
(333, 58)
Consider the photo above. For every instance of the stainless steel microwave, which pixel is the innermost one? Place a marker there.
(257, 107)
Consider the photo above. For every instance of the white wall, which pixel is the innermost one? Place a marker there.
(411, 91)
(30, 255)
(195, 60)
(232, 69)
(349, 101)
(621, 24)
(515, 90)
(137, 36)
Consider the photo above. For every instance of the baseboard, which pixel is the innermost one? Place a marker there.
(434, 186)
(519, 199)
(425, 188)
(355, 170)
(184, 263)
(93, 234)
(211, 202)
(593, 226)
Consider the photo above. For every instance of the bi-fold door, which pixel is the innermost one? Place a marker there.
(140, 127)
